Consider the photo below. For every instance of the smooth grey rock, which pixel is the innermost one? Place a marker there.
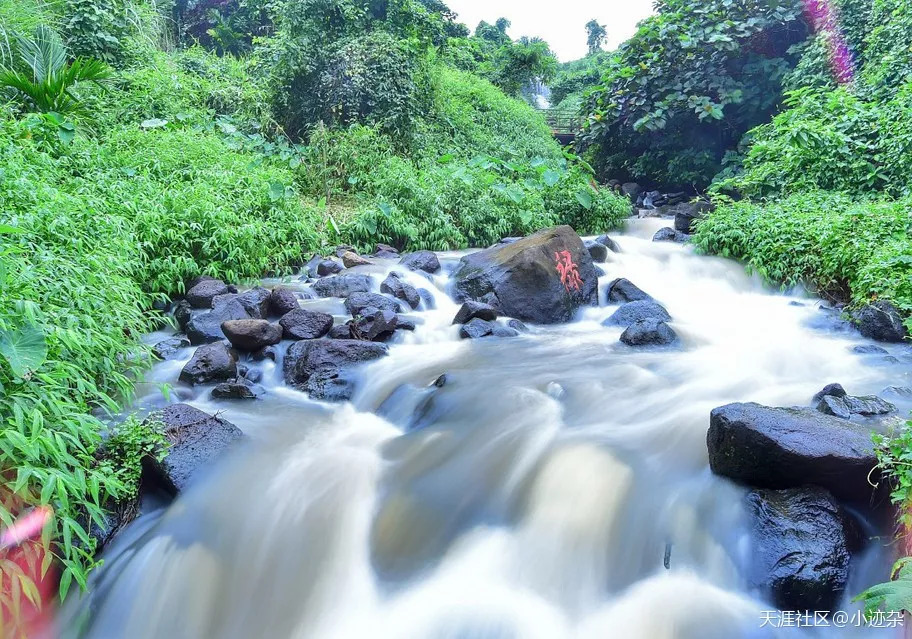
(648, 332)
(607, 242)
(358, 302)
(597, 251)
(342, 285)
(633, 312)
(622, 290)
(207, 327)
(251, 334)
(476, 328)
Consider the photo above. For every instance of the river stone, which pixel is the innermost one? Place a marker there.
(305, 324)
(472, 309)
(517, 326)
(622, 290)
(687, 213)
(210, 363)
(328, 267)
(182, 314)
(637, 311)
(405, 323)
(868, 405)
(237, 390)
(500, 330)
(357, 302)
(197, 440)
(200, 296)
(631, 190)
(835, 406)
(341, 331)
(608, 243)
(780, 448)
(543, 278)
(342, 285)
(167, 349)
(376, 325)
(323, 367)
(207, 327)
(870, 349)
(881, 321)
(421, 261)
(427, 299)
(476, 328)
(252, 334)
(395, 286)
(282, 301)
(385, 248)
(597, 251)
(648, 332)
(255, 301)
(799, 550)
(835, 390)
(351, 259)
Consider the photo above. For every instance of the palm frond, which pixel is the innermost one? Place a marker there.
(44, 53)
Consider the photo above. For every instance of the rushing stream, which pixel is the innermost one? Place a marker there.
(538, 493)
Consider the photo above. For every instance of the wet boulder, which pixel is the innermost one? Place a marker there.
(622, 290)
(406, 323)
(351, 259)
(504, 331)
(197, 441)
(201, 295)
(386, 252)
(633, 312)
(631, 190)
(357, 302)
(476, 329)
(597, 251)
(472, 309)
(182, 314)
(305, 324)
(780, 448)
(252, 334)
(375, 325)
(800, 547)
(426, 261)
(881, 321)
(207, 327)
(648, 332)
(608, 243)
(282, 301)
(845, 407)
(341, 331)
(255, 301)
(543, 278)
(210, 363)
(237, 390)
(394, 285)
(687, 213)
(342, 285)
(323, 368)
(664, 234)
(169, 348)
(517, 326)
(328, 267)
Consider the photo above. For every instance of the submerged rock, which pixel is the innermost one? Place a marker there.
(358, 302)
(305, 324)
(648, 332)
(622, 290)
(252, 334)
(207, 327)
(476, 328)
(781, 448)
(543, 278)
(597, 251)
(881, 321)
(237, 390)
(394, 285)
(197, 440)
(426, 261)
(210, 363)
(323, 367)
(472, 309)
(167, 349)
(201, 295)
(342, 285)
(608, 243)
(633, 312)
(799, 551)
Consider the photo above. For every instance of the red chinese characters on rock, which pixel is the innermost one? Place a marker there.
(568, 271)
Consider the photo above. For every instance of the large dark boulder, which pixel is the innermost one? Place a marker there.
(394, 285)
(302, 323)
(322, 368)
(622, 290)
(631, 190)
(282, 301)
(472, 309)
(342, 285)
(648, 332)
(688, 212)
(597, 251)
(633, 312)
(201, 295)
(799, 547)
(197, 440)
(881, 321)
(421, 261)
(210, 363)
(543, 278)
(357, 303)
(252, 334)
(780, 448)
(328, 267)
(237, 390)
(207, 327)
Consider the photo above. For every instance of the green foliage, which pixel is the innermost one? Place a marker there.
(595, 36)
(126, 446)
(96, 28)
(893, 596)
(228, 27)
(47, 84)
(574, 78)
(859, 251)
(689, 83)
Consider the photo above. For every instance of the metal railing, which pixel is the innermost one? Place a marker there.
(563, 122)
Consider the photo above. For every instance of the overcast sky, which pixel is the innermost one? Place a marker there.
(560, 22)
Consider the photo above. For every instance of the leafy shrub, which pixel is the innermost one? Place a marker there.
(854, 251)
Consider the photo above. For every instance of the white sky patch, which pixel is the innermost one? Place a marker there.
(561, 23)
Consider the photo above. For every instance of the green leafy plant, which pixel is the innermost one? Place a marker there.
(892, 596)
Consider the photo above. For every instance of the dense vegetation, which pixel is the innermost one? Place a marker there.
(135, 157)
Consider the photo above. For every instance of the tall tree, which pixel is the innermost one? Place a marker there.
(595, 35)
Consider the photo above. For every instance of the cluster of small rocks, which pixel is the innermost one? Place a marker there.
(645, 321)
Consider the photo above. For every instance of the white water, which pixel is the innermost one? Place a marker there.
(536, 500)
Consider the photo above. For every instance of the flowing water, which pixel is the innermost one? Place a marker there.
(536, 494)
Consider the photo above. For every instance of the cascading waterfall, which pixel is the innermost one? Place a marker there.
(536, 494)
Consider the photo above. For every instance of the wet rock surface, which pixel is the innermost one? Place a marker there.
(305, 324)
(648, 332)
(397, 287)
(342, 285)
(881, 321)
(252, 334)
(210, 363)
(169, 348)
(207, 327)
(637, 311)
(321, 367)
(201, 295)
(426, 261)
(622, 290)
